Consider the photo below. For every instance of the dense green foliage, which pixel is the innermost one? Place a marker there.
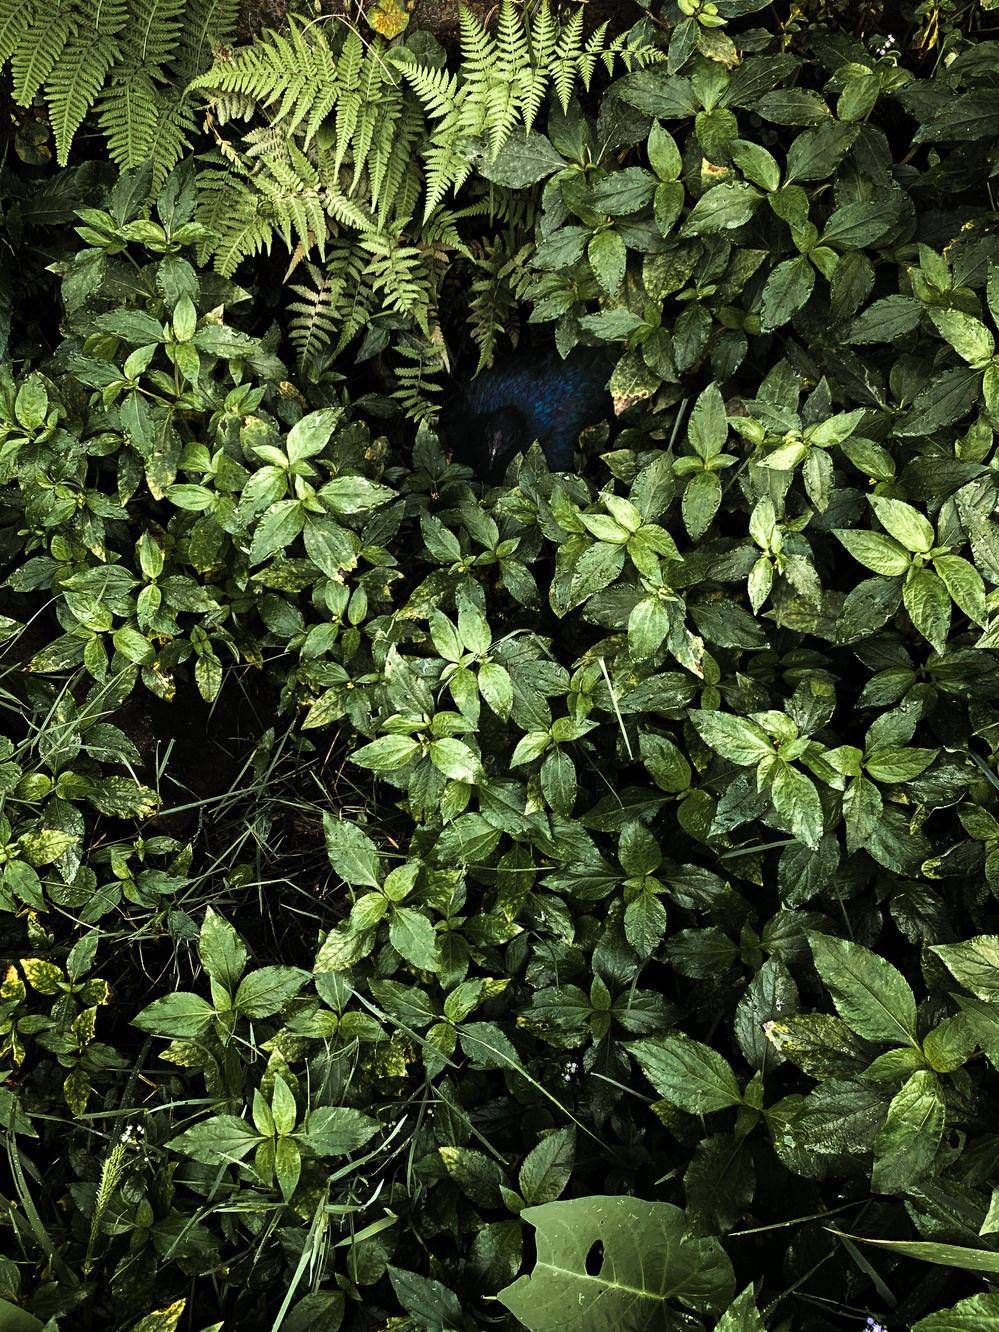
(653, 981)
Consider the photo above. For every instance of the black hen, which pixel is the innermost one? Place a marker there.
(532, 396)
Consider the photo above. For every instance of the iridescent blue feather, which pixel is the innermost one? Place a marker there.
(528, 397)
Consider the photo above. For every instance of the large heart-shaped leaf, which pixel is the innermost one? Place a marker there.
(613, 1265)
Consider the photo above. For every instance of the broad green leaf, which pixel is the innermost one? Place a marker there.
(691, 1075)
(479, 1177)
(664, 155)
(262, 993)
(665, 763)
(337, 1130)
(701, 500)
(906, 524)
(645, 923)
(222, 951)
(968, 336)
(871, 997)
(707, 429)
(487, 1047)
(497, 1250)
(608, 256)
(15, 1319)
(727, 205)
(896, 764)
(525, 158)
(646, 1262)
(287, 1166)
(648, 625)
(408, 1004)
(181, 1016)
(964, 583)
(386, 753)
(885, 320)
(742, 1315)
(862, 809)
(547, 1168)
(734, 738)
(797, 802)
(719, 1184)
(978, 1313)
(351, 853)
(788, 288)
(973, 964)
(221, 1138)
(413, 936)
(908, 1142)
(429, 1304)
(928, 602)
(875, 551)
(815, 154)
(820, 1044)
(950, 1043)
(754, 161)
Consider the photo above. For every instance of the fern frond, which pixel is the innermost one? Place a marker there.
(171, 138)
(292, 200)
(267, 141)
(567, 53)
(298, 74)
(206, 28)
(542, 37)
(418, 380)
(152, 34)
(436, 89)
(507, 85)
(593, 52)
(325, 92)
(349, 100)
(496, 293)
(14, 25)
(339, 304)
(40, 48)
(440, 234)
(402, 276)
(232, 209)
(396, 178)
(379, 109)
(445, 171)
(142, 121)
(345, 210)
(233, 106)
(313, 321)
(76, 80)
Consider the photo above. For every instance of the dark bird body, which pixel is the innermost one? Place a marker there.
(531, 396)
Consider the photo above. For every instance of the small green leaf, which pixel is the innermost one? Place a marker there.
(412, 935)
(869, 994)
(928, 602)
(905, 1147)
(691, 1075)
(735, 738)
(906, 524)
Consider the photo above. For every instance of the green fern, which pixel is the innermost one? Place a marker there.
(417, 382)
(358, 146)
(42, 43)
(338, 305)
(298, 73)
(129, 59)
(496, 292)
(80, 73)
(504, 79)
